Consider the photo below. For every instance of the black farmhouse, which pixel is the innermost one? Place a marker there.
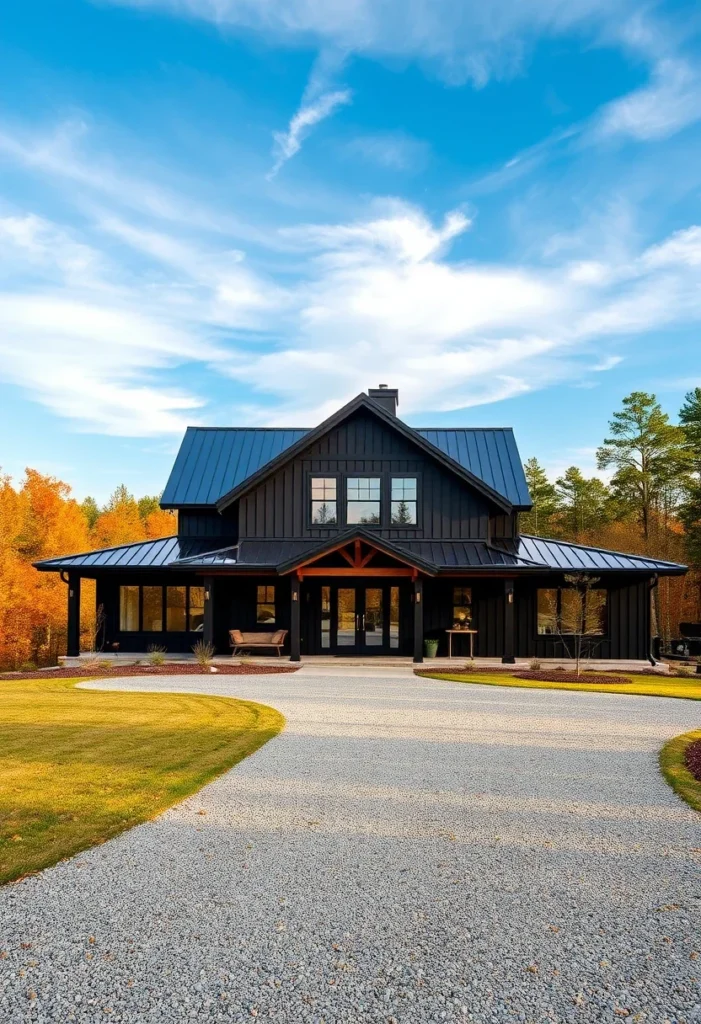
(360, 536)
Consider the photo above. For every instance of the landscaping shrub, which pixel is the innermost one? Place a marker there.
(204, 652)
(156, 655)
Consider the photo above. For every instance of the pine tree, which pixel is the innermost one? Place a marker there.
(90, 510)
(582, 502)
(690, 512)
(544, 498)
(647, 451)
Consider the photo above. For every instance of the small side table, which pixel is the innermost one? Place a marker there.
(460, 632)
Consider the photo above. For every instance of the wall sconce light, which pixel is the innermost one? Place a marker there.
(295, 596)
(510, 597)
(418, 598)
(70, 593)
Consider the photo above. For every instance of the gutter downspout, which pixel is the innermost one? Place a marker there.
(652, 586)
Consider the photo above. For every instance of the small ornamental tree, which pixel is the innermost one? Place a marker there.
(577, 616)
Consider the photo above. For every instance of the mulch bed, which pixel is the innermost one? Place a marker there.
(692, 757)
(178, 669)
(544, 676)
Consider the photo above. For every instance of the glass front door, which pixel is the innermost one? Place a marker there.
(360, 618)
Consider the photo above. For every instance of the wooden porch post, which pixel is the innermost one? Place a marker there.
(418, 619)
(295, 643)
(208, 624)
(73, 633)
(509, 618)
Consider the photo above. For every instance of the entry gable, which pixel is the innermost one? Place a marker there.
(364, 402)
(357, 552)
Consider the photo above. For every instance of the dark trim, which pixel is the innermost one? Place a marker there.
(73, 632)
(508, 657)
(418, 621)
(295, 620)
(362, 401)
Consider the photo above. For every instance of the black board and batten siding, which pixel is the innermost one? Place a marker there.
(448, 508)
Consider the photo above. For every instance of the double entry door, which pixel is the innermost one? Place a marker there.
(360, 618)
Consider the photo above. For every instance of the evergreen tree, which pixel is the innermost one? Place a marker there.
(583, 502)
(544, 498)
(648, 453)
(148, 504)
(690, 512)
(90, 510)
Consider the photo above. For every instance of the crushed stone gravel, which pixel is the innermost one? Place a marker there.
(405, 851)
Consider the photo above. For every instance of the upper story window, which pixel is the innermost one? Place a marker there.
(324, 501)
(403, 508)
(363, 500)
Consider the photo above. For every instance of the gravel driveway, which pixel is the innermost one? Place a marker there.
(405, 851)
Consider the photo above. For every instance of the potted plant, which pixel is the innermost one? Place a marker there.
(431, 648)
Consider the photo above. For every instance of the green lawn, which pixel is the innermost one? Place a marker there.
(647, 686)
(79, 766)
(675, 771)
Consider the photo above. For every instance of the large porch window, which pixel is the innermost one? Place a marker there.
(141, 609)
(566, 611)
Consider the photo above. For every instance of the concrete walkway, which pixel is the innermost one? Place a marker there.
(405, 851)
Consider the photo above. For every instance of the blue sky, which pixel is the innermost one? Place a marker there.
(247, 211)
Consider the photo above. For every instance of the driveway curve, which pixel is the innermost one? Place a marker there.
(405, 851)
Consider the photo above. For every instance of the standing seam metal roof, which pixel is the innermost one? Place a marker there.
(214, 460)
(527, 554)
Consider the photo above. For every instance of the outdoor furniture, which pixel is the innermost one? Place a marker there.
(245, 641)
(460, 632)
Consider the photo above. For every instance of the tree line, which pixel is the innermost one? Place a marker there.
(651, 504)
(39, 519)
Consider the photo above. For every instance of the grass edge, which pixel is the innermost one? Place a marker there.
(674, 770)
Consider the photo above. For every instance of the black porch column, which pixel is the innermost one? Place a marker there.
(418, 620)
(295, 644)
(509, 640)
(73, 634)
(208, 624)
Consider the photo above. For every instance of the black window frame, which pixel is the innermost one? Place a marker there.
(404, 476)
(559, 588)
(164, 610)
(310, 475)
(382, 500)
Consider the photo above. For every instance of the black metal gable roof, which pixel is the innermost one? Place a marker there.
(217, 465)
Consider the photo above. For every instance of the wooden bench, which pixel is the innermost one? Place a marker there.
(245, 641)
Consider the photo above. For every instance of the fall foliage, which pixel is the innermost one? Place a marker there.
(39, 519)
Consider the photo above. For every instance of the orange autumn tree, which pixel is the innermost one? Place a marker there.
(39, 519)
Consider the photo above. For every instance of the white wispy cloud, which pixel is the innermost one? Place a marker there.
(311, 112)
(99, 338)
(668, 103)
